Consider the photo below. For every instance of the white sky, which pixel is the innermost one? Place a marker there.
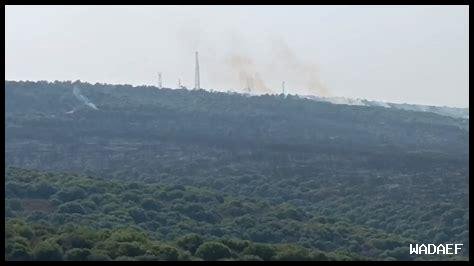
(412, 54)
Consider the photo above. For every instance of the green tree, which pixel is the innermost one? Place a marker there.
(42, 190)
(293, 253)
(263, 251)
(138, 215)
(77, 254)
(150, 204)
(75, 240)
(48, 251)
(165, 252)
(17, 249)
(213, 251)
(132, 249)
(98, 255)
(70, 194)
(190, 242)
(71, 207)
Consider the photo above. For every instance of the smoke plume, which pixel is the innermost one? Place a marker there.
(304, 74)
(264, 72)
(83, 98)
(248, 75)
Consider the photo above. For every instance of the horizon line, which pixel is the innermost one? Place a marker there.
(241, 91)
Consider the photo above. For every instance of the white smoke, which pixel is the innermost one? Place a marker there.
(83, 98)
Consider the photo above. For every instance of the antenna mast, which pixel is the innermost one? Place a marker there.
(160, 84)
(197, 85)
(283, 87)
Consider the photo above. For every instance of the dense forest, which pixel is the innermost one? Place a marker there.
(117, 172)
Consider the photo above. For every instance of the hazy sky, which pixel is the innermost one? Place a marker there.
(413, 54)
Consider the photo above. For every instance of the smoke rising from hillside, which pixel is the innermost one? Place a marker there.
(82, 98)
(247, 72)
(263, 73)
(243, 62)
(306, 74)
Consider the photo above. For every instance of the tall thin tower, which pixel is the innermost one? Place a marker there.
(160, 84)
(283, 87)
(197, 85)
(249, 85)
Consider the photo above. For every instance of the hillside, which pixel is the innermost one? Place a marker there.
(388, 172)
(441, 110)
(80, 217)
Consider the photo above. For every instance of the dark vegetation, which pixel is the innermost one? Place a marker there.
(176, 174)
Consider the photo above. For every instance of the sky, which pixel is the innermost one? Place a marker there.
(401, 54)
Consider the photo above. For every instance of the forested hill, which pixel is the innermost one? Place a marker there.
(73, 217)
(230, 119)
(403, 172)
